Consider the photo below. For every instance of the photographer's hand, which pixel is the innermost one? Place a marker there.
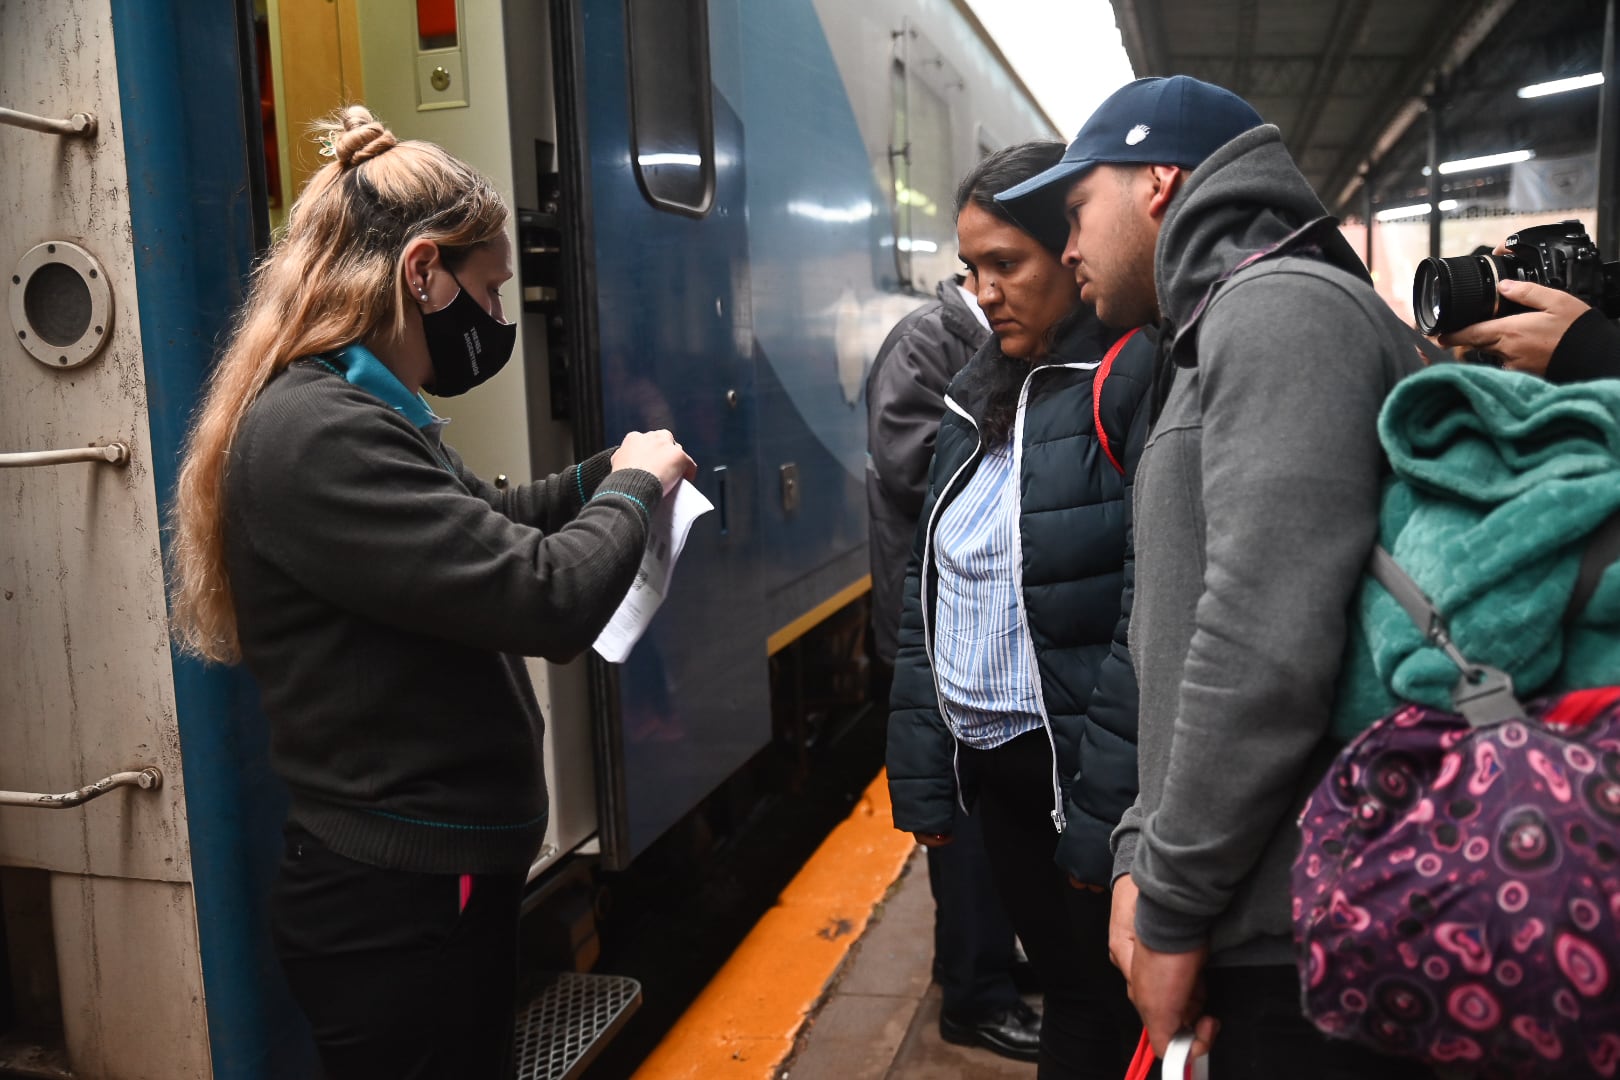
(1523, 342)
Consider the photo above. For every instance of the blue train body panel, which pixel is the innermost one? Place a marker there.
(674, 297)
(816, 219)
(746, 298)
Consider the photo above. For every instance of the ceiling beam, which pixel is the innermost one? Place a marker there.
(1348, 21)
(1455, 34)
(1141, 25)
(1248, 24)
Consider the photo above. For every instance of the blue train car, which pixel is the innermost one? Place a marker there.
(720, 208)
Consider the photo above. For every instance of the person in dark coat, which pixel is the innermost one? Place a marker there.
(905, 395)
(1013, 691)
(383, 597)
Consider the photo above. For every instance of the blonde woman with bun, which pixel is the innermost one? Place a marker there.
(383, 596)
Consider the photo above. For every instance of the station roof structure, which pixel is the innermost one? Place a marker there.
(1349, 81)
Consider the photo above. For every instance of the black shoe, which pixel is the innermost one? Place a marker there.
(1013, 1032)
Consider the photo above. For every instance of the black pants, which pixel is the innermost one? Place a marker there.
(973, 937)
(1089, 1028)
(1265, 1034)
(399, 982)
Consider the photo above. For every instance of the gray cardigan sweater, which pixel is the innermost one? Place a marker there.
(385, 596)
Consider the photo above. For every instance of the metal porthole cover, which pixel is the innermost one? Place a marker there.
(559, 1032)
(61, 304)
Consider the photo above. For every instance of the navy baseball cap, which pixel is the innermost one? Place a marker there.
(1160, 121)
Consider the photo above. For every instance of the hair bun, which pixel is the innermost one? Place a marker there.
(361, 138)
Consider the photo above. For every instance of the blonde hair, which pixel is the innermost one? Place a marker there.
(335, 277)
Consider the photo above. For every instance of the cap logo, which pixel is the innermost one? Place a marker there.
(1137, 134)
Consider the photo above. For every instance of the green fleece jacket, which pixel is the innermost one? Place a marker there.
(1500, 478)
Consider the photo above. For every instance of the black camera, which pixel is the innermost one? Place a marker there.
(1449, 294)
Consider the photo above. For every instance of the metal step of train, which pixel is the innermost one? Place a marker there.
(561, 1031)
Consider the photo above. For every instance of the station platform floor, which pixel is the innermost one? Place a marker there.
(834, 982)
(880, 1019)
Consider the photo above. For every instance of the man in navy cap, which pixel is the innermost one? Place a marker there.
(1256, 509)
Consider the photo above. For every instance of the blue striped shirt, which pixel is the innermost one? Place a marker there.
(982, 657)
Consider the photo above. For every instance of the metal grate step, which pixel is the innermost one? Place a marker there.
(562, 1030)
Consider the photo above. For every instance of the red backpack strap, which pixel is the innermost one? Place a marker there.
(1097, 382)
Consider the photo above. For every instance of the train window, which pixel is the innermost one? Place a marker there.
(671, 117)
(924, 171)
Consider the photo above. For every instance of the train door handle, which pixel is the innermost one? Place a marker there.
(116, 453)
(149, 778)
(721, 475)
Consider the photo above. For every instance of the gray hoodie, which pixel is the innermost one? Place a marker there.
(1256, 508)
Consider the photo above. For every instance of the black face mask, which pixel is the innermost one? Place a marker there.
(466, 344)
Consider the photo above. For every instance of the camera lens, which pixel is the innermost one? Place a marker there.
(1449, 294)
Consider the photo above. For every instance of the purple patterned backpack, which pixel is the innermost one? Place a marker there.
(1457, 893)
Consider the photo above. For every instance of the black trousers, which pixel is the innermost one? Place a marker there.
(973, 937)
(1089, 1028)
(1265, 1034)
(398, 979)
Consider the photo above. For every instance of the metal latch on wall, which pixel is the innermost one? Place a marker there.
(115, 453)
(81, 125)
(147, 779)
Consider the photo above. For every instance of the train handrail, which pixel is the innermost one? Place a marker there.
(149, 778)
(80, 124)
(115, 453)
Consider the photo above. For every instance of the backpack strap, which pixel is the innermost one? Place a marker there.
(1602, 551)
(1097, 382)
(1483, 694)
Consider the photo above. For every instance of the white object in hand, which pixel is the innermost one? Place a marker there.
(670, 524)
(1176, 1063)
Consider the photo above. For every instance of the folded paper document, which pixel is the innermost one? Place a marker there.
(670, 524)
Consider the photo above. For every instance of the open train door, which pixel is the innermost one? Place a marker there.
(654, 191)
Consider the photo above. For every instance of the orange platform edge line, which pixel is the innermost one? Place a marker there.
(744, 1023)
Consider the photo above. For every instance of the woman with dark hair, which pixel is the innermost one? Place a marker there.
(1013, 690)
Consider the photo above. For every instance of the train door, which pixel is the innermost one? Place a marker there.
(657, 135)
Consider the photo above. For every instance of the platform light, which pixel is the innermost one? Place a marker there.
(1559, 86)
(1489, 161)
(1395, 213)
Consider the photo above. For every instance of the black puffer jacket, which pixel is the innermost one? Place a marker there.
(1075, 591)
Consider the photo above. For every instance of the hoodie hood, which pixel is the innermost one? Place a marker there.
(958, 320)
(1248, 201)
